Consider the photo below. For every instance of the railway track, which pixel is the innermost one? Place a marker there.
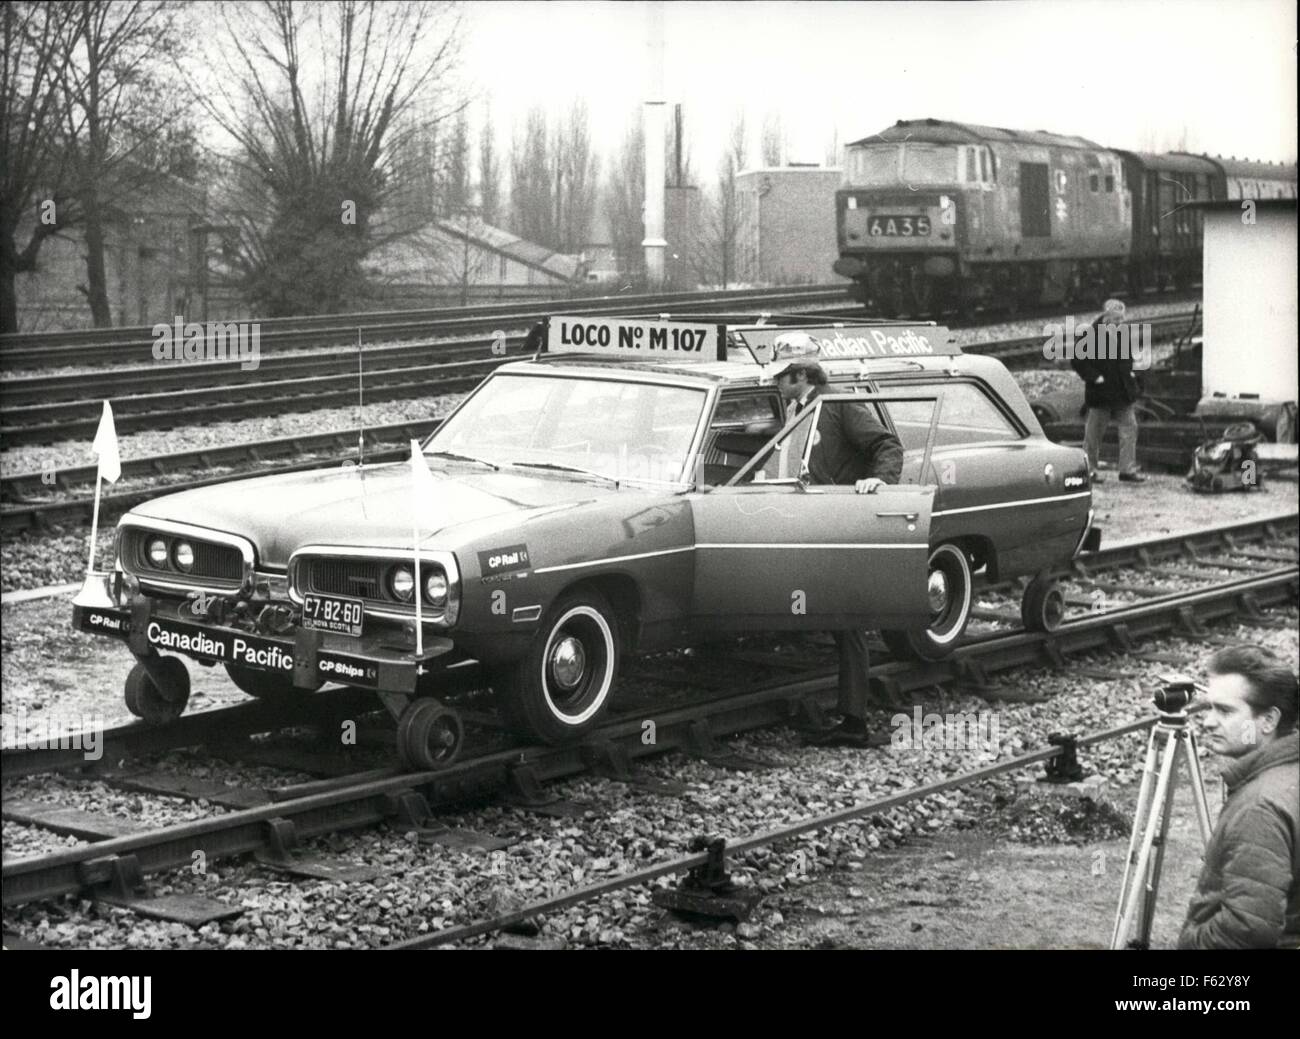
(135, 345)
(22, 493)
(1260, 555)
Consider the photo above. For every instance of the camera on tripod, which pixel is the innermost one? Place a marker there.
(1176, 696)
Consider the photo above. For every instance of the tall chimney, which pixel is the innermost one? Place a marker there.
(654, 244)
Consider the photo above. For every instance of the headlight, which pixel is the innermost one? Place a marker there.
(183, 556)
(401, 583)
(157, 550)
(435, 588)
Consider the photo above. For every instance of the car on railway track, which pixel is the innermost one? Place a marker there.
(635, 486)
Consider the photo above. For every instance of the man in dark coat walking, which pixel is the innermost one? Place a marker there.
(1110, 391)
(1248, 894)
(851, 447)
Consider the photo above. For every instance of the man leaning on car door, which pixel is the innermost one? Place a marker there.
(851, 448)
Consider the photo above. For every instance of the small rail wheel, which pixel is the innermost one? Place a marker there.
(264, 685)
(158, 705)
(429, 735)
(1043, 605)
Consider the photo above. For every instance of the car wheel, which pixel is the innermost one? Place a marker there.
(157, 705)
(559, 689)
(948, 585)
(1043, 605)
(264, 685)
(429, 735)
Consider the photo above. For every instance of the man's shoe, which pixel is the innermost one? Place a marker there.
(1132, 478)
(848, 733)
(1096, 477)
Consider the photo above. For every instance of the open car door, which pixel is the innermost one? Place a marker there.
(776, 552)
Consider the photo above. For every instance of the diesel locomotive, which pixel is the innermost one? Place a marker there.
(936, 215)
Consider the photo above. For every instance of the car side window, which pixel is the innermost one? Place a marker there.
(966, 416)
(736, 411)
(742, 423)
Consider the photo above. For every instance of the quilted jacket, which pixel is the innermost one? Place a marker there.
(1248, 896)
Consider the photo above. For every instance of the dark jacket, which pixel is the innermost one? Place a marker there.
(852, 446)
(1247, 896)
(1119, 385)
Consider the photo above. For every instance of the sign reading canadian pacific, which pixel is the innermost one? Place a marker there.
(864, 341)
(678, 340)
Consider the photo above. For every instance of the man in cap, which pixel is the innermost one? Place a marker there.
(849, 447)
(1110, 391)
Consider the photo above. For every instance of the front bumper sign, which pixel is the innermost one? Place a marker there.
(311, 658)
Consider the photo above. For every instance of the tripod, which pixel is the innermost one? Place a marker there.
(1171, 738)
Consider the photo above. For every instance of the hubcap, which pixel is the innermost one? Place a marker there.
(568, 662)
(937, 590)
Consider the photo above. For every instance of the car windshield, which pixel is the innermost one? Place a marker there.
(606, 427)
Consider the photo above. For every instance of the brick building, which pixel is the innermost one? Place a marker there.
(786, 225)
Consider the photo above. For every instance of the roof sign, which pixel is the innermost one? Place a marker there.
(630, 338)
(868, 342)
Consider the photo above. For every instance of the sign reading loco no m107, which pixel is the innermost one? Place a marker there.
(675, 340)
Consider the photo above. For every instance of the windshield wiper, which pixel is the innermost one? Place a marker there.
(566, 469)
(464, 458)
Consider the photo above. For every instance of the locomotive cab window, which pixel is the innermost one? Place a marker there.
(1110, 183)
(1093, 182)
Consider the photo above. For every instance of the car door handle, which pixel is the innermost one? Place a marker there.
(909, 516)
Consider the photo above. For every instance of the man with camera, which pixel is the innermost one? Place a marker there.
(1248, 894)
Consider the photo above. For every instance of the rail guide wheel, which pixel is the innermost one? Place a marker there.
(429, 735)
(159, 697)
(1043, 605)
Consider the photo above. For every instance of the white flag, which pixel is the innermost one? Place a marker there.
(105, 447)
(423, 483)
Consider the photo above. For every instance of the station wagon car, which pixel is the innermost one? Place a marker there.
(635, 486)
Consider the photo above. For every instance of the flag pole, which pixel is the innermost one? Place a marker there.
(94, 525)
(415, 541)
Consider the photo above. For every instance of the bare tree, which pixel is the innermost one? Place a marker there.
(118, 100)
(532, 209)
(456, 192)
(625, 202)
(489, 171)
(576, 181)
(35, 203)
(773, 142)
(832, 156)
(713, 254)
(320, 153)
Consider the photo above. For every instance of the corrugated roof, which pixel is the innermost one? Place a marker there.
(528, 253)
(1174, 162)
(940, 131)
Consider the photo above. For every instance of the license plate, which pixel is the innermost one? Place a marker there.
(899, 226)
(334, 613)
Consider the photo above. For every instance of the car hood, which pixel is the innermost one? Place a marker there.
(369, 506)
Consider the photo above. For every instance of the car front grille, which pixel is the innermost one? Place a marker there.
(361, 578)
(213, 563)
